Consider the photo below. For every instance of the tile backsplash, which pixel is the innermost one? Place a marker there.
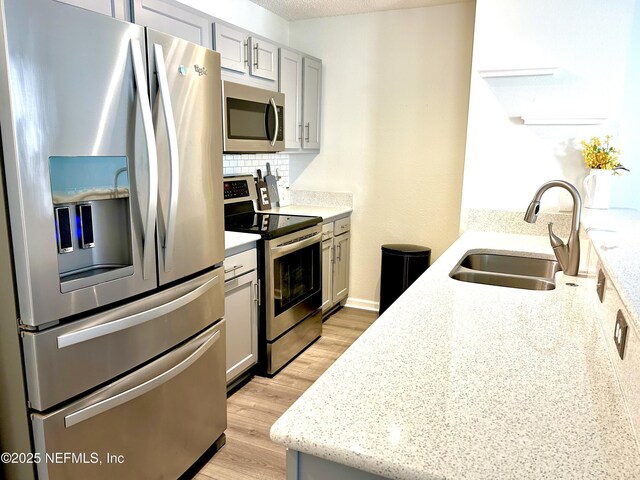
(234, 164)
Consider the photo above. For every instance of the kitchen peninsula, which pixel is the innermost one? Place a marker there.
(460, 380)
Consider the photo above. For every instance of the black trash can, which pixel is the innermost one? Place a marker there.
(401, 265)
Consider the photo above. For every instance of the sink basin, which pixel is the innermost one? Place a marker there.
(511, 264)
(502, 269)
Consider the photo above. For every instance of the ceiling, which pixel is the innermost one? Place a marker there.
(302, 9)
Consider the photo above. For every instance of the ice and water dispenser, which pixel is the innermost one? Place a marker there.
(92, 214)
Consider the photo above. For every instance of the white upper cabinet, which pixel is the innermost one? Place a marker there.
(232, 46)
(300, 81)
(264, 59)
(174, 19)
(114, 8)
(311, 87)
(246, 58)
(291, 86)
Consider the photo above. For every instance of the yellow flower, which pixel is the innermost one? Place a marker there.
(600, 155)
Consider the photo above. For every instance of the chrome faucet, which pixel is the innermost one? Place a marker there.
(568, 255)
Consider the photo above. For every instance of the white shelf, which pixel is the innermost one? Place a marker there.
(518, 72)
(532, 120)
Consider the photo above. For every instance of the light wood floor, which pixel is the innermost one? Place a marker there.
(249, 453)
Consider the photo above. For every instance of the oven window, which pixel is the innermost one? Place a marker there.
(296, 276)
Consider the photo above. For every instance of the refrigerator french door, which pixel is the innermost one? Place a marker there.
(112, 155)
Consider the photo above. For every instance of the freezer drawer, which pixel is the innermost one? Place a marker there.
(153, 423)
(66, 361)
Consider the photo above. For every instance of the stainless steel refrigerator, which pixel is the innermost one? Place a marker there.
(112, 158)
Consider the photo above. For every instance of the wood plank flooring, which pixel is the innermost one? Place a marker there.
(249, 453)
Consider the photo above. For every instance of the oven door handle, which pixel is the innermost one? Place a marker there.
(285, 249)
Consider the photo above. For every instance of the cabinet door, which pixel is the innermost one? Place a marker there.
(241, 313)
(327, 273)
(264, 59)
(311, 85)
(114, 8)
(341, 267)
(168, 18)
(291, 86)
(232, 46)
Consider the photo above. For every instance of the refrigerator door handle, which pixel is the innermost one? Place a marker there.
(96, 331)
(128, 395)
(148, 249)
(174, 160)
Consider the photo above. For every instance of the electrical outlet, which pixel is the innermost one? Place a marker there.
(620, 333)
(602, 285)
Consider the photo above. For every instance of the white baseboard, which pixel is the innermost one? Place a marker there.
(362, 304)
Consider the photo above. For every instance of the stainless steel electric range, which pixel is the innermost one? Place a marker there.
(289, 269)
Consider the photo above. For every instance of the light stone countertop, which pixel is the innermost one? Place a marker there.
(328, 214)
(615, 235)
(236, 242)
(460, 380)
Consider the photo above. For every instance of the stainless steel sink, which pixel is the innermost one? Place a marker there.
(511, 264)
(506, 270)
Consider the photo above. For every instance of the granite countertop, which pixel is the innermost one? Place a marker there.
(459, 380)
(614, 234)
(327, 213)
(236, 242)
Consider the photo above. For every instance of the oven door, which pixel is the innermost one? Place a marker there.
(294, 278)
(253, 119)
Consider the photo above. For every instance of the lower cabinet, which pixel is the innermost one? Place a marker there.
(336, 246)
(327, 274)
(241, 297)
(341, 247)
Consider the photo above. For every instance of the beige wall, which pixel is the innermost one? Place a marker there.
(395, 98)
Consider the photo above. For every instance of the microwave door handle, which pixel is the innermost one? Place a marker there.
(174, 160)
(144, 387)
(148, 248)
(275, 113)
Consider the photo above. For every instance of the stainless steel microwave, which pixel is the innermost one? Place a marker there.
(253, 119)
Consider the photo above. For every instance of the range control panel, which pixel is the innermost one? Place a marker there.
(239, 188)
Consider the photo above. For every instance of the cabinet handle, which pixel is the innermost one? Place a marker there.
(300, 130)
(255, 64)
(308, 129)
(257, 292)
(234, 268)
(246, 53)
(339, 259)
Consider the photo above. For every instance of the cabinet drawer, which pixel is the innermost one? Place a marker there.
(327, 231)
(240, 263)
(153, 417)
(342, 226)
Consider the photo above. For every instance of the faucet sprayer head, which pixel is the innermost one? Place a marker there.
(532, 212)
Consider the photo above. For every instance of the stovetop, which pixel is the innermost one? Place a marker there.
(269, 225)
(240, 213)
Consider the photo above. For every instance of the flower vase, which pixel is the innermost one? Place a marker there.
(597, 188)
